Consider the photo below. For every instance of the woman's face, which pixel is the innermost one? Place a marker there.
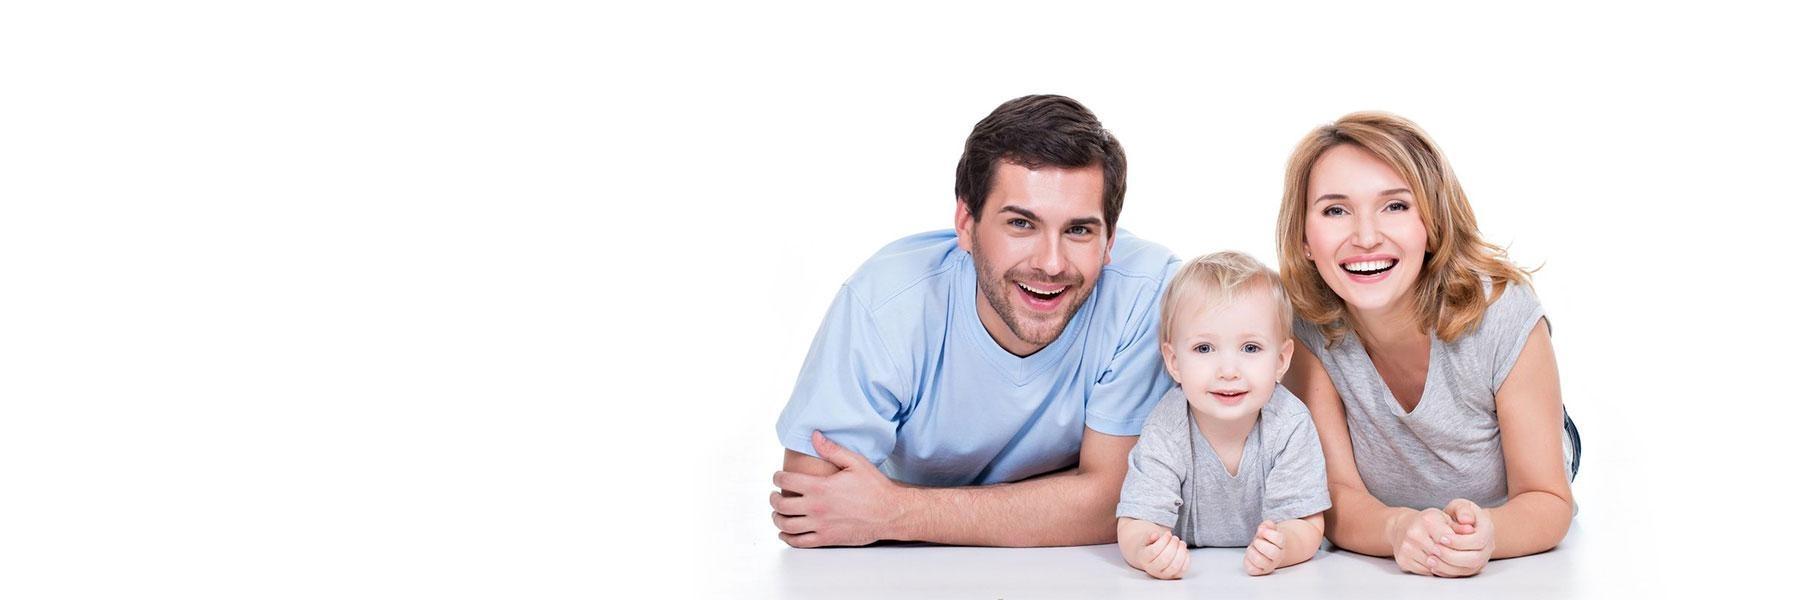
(1363, 231)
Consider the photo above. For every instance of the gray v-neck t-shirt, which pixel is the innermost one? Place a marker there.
(1177, 480)
(1447, 447)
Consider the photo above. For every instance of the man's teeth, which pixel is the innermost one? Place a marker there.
(1041, 292)
(1370, 266)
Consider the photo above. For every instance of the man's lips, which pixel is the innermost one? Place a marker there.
(1042, 297)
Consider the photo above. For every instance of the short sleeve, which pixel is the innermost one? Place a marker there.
(1506, 327)
(849, 387)
(1128, 387)
(1157, 467)
(1309, 335)
(1297, 485)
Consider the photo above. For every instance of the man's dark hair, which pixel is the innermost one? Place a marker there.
(1037, 131)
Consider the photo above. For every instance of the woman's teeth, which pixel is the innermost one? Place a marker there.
(1370, 267)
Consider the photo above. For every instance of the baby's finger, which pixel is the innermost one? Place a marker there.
(1164, 556)
(1267, 551)
(1179, 567)
(1170, 567)
(1254, 562)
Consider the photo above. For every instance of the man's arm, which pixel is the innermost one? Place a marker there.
(843, 500)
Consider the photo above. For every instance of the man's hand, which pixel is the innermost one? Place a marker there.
(855, 506)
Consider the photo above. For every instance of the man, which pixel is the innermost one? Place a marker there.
(984, 386)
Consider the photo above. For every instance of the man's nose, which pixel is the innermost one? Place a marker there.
(1048, 257)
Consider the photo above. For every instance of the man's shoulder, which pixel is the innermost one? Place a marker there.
(1140, 260)
(915, 266)
(1128, 296)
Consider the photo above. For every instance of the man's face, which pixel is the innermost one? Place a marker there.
(1038, 247)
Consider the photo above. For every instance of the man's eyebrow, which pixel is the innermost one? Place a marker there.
(1026, 214)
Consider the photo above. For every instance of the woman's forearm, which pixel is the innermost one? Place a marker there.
(1529, 523)
(1359, 522)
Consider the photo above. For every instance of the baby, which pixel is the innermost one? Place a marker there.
(1229, 457)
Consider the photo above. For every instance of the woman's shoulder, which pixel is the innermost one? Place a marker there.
(1515, 308)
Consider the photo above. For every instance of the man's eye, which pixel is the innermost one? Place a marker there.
(1202, 348)
(1251, 348)
(1079, 230)
(1334, 211)
(1018, 223)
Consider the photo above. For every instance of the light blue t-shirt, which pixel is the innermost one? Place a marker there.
(903, 373)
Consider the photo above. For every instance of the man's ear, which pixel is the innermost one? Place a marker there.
(964, 226)
(1285, 358)
(1167, 359)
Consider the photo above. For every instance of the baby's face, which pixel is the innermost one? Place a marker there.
(1227, 358)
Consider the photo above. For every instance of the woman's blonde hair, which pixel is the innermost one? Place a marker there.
(1450, 295)
(1216, 279)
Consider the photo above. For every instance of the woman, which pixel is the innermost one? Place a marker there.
(1424, 357)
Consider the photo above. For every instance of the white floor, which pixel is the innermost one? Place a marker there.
(1587, 564)
(1650, 523)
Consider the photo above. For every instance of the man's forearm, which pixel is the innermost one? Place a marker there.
(1064, 509)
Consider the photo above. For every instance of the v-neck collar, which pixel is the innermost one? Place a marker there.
(1252, 442)
(1018, 370)
(1429, 375)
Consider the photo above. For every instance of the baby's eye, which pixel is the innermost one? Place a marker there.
(1251, 347)
(1202, 348)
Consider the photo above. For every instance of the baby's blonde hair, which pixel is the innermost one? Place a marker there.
(1214, 280)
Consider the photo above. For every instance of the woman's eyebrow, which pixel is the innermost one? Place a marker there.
(1345, 197)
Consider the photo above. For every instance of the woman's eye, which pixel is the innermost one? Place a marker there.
(1334, 211)
(1202, 348)
(1251, 348)
(1398, 206)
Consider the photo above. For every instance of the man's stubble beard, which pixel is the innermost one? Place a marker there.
(998, 291)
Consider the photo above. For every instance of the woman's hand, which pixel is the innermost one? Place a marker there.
(1469, 548)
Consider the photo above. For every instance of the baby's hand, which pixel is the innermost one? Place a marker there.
(1164, 557)
(1263, 555)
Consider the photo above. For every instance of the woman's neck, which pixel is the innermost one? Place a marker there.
(1389, 329)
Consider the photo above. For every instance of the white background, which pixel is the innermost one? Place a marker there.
(502, 299)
